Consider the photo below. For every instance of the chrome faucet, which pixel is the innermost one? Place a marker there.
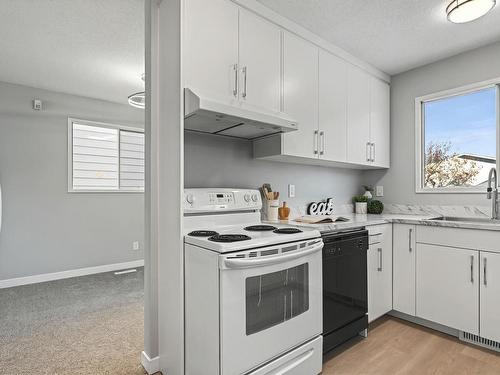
(493, 193)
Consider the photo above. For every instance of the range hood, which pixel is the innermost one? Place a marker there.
(205, 115)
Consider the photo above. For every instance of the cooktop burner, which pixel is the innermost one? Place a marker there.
(260, 228)
(203, 233)
(229, 238)
(287, 231)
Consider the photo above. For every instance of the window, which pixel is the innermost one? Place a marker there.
(457, 138)
(105, 157)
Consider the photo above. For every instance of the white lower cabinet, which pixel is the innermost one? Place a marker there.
(489, 296)
(404, 268)
(379, 271)
(447, 286)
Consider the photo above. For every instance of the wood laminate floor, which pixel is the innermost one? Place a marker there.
(398, 347)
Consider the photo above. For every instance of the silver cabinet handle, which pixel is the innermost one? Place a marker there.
(244, 71)
(368, 151)
(322, 138)
(373, 157)
(484, 272)
(235, 85)
(410, 232)
(379, 259)
(315, 142)
(472, 269)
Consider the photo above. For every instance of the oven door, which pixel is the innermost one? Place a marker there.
(269, 303)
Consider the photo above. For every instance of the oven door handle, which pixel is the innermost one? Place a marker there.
(264, 261)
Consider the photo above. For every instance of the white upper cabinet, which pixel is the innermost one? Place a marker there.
(234, 56)
(380, 122)
(211, 49)
(358, 116)
(300, 95)
(259, 62)
(332, 107)
(490, 296)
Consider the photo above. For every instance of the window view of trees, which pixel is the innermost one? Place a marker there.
(444, 168)
(460, 140)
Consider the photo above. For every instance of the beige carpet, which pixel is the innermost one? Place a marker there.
(86, 325)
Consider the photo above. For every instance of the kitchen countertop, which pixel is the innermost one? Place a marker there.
(356, 221)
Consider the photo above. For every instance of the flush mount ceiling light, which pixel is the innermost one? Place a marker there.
(462, 11)
(137, 100)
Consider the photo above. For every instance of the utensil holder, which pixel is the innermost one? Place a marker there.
(272, 209)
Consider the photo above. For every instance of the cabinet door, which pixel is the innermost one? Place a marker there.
(380, 133)
(332, 107)
(211, 54)
(447, 286)
(260, 62)
(380, 273)
(490, 296)
(358, 116)
(300, 95)
(404, 268)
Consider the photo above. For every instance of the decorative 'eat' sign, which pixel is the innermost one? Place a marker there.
(321, 208)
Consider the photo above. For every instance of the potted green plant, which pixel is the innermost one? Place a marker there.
(375, 207)
(360, 204)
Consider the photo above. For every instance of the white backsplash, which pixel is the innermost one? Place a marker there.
(461, 211)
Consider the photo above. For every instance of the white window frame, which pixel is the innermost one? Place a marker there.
(71, 121)
(420, 135)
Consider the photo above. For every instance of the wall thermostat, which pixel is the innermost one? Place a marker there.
(37, 104)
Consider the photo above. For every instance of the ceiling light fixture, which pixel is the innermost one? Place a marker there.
(138, 100)
(462, 11)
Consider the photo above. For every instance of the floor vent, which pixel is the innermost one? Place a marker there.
(480, 341)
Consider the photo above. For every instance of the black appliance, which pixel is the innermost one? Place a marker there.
(345, 294)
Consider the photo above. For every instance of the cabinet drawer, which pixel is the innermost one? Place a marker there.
(377, 233)
(461, 238)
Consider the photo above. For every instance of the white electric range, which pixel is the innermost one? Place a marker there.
(253, 292)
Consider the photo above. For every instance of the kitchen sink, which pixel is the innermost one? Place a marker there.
(480, 220)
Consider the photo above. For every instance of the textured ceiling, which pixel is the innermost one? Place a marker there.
(392, 35)
(93, 48)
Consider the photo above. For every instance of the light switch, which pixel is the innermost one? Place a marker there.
(379, 191)
(291, 191)
(135, 245)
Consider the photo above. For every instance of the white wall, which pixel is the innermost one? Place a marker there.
(399, 181)
(215, 161)
(45, 229)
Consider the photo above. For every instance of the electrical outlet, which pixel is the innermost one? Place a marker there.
(135, 245)
(291, 191)
(379, 191)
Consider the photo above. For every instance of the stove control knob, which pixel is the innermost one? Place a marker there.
(190, 198)
(254, 197)
(247, 198)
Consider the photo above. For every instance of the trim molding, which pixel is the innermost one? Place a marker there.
(8, 283)
(151, 365)
(426, 323)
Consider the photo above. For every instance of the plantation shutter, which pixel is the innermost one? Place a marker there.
(95, 158)
(131, 160)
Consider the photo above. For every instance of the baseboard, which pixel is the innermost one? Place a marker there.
(425, 323)
(150, 365)
(8, 283)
